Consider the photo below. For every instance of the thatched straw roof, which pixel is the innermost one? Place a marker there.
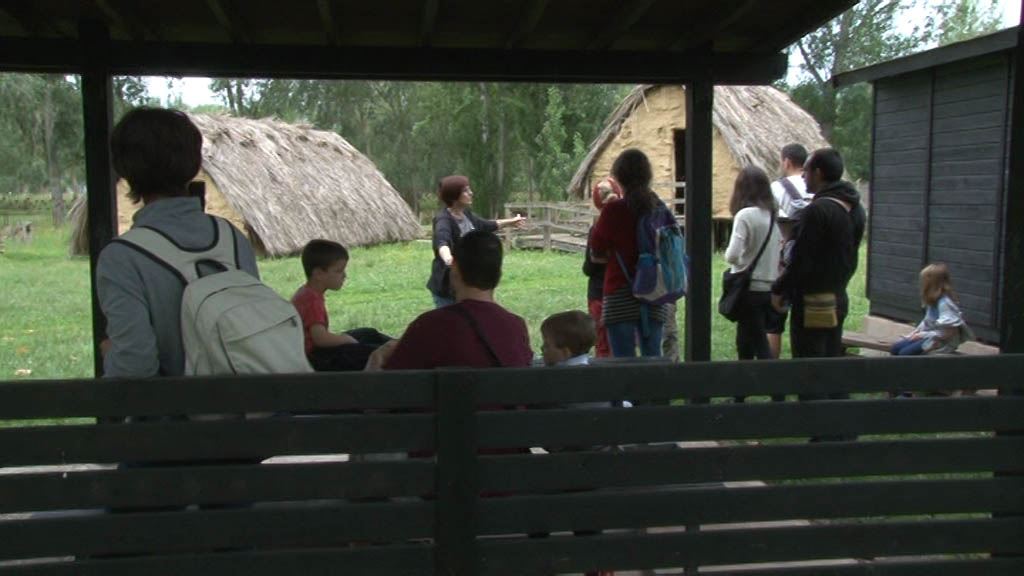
(754, 121)
(292, 184)
(286, 185)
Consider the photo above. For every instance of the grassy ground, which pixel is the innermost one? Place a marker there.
(46, 319)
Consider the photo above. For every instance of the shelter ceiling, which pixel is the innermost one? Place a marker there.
(500, 39)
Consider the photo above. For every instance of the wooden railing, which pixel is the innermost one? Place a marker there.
(558, 225)
(927, 485)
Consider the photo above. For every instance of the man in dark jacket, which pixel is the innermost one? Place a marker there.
(823, 259)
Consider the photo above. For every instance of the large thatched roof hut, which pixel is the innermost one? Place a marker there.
(284, 185)
(751, 125)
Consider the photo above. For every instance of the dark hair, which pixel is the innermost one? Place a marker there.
(829, 162)
(450, 188)
(572, 329)
(478, 255)
(796, 153)
(752, 188)
(632, 170)
(321, 254)
(158, 151)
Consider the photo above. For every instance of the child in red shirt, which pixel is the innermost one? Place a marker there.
(325, 264)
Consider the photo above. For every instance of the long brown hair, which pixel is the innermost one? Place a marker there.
(752, 188)
(632, 170)
(935, 283)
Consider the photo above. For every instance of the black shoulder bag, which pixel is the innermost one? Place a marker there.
(735, 285)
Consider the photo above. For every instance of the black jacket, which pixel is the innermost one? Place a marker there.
(594, 272)
(827, 237)
(446, 233)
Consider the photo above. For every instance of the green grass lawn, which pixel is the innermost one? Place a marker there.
(46, 316)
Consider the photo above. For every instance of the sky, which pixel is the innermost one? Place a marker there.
(195, 91)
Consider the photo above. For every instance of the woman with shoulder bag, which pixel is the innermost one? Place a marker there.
(754, 249)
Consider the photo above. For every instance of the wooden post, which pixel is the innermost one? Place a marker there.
(1011, 321)
(699, 98)
(457, 475)
(98, 117)
(547, 228)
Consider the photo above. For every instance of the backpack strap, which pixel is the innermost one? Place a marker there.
(771, 226)
(790, 188)
(479, 333)
(184, 262)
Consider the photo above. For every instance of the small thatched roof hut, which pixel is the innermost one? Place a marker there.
(751, 124)
(285, 185)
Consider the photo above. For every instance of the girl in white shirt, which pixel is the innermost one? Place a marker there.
(752, 206)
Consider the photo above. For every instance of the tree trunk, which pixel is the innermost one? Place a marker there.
(52, 170)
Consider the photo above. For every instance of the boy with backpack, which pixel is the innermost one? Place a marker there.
(158, 152)
(325, 263)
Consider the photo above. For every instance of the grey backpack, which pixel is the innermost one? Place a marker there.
(231, 323)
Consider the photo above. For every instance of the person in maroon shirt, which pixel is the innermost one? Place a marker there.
(475, 332)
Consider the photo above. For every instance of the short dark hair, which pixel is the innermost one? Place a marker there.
(450, 188)
(752, 188)
(321, 254)
(572, 329)
(478, 255)
(796, 153)
(829, 161)
(158, 151)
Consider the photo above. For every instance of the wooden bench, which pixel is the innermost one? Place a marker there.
(877, 335)
(934, 485)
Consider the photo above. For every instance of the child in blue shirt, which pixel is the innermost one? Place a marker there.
(943, 328)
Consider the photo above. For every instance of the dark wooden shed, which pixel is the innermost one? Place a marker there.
(940, 157)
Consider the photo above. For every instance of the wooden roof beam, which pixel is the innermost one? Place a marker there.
(527, 24)
(706, 27)
(229, 20)
(29, 18)
(623, 20)
(428, 20)
(326, 9)
(128, 20)
(817, 13)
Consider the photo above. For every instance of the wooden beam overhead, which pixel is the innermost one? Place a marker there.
(326, 9)
(713, 22)
(527, 24)
(442, 64)
(816, 15)
(29, 18)
(229, 20)
(428, 20)
(623, 20)
(128, 20)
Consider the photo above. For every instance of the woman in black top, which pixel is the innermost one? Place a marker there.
(449, 225)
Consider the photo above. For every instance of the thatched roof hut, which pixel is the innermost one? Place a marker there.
(751, 124)
(285, 185)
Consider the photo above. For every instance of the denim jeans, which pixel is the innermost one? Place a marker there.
(907, 347)
(624, 336)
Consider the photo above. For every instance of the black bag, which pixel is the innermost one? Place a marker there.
(735, 285)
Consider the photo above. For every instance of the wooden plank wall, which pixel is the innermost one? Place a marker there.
(940, 161)
(931, 486)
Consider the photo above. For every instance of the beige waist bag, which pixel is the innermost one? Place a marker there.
(820, 310)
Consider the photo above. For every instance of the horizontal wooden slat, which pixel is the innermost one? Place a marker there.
(178, 486)
(706, 379)
(860, 540)
(692, 505)
(589, 427)
(265, 527)
(567, 470)
(316, 393)
(186, 441)
(383, 560)
(889, 567)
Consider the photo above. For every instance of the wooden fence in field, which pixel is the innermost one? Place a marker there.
(925, 485)
(558, 225)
